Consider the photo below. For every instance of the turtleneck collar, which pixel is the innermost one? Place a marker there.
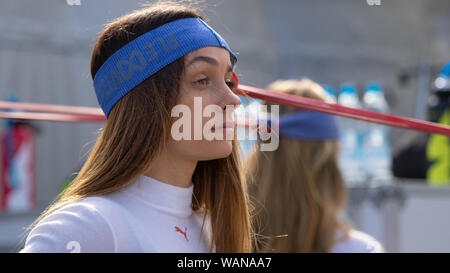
(171, 199)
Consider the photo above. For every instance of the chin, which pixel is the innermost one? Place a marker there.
(217, 149)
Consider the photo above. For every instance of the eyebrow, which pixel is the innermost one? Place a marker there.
(209, 60)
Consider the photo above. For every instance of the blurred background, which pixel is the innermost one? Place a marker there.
(398, 47)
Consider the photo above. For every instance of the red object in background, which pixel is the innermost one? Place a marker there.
(18, 183)
(64, 113)
(344, 111)
(235, 79)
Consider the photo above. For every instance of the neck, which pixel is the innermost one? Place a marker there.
(176, 171)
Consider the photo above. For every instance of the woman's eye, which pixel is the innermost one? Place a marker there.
(202, 82)
(230, 84)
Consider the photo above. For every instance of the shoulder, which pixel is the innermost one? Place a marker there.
(357, 242)
(81, 226)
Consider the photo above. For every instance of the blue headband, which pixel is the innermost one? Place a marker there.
(309, 125)
(150, 52)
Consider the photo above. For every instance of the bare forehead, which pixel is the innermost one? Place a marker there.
(221, 55)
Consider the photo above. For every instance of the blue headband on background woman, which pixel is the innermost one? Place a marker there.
(309, 125)
(149, 53)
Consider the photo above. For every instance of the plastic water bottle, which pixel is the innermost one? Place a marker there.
(330, 92)
(376, 146)
(247, 111)
(350, 155)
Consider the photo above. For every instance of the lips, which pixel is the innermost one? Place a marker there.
(226, 125)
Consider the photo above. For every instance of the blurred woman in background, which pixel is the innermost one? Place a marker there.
(298, 190)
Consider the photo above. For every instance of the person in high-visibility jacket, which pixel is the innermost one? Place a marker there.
(438, 146)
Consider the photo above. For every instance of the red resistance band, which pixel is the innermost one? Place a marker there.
(63, 113)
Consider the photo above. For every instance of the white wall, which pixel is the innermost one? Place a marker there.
(419, 221)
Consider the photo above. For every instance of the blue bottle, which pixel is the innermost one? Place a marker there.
(247, 111)
(330, 92)
(350, 155)
(376, 145)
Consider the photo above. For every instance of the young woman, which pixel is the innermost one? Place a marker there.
(298, 189)
(141, 190)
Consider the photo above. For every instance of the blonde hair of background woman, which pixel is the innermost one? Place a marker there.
(298, 189)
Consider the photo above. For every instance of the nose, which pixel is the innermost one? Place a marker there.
(233, 100)
(230, 98)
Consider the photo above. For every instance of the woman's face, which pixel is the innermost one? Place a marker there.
(207, 77)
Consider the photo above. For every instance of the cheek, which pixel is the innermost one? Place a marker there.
(199, 149)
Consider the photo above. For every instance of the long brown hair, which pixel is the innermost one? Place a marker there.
(138, 127)
(298, 189)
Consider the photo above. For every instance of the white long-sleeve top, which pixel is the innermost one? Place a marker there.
(147, 216)
(357, 242)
